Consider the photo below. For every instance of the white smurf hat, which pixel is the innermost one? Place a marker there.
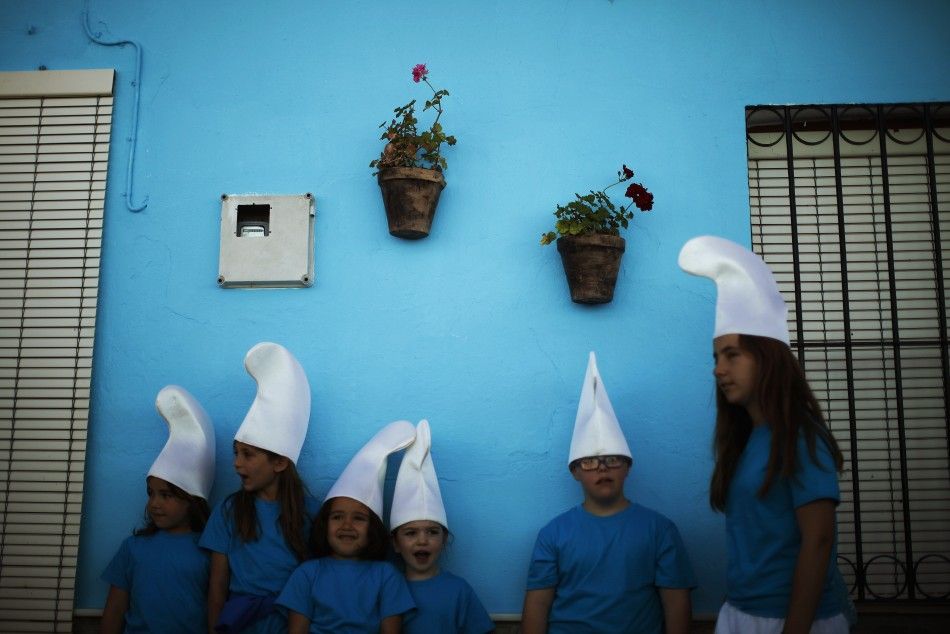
(748, 301)
(596, 429)
(187, 460)
(278, 418)
(362, 480)
(417, 495)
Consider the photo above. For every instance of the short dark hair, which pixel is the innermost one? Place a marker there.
(376, 537)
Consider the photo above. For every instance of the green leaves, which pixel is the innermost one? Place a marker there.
(406, 146)
(591, 213)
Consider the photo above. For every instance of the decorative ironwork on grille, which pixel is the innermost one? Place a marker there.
(850, 206)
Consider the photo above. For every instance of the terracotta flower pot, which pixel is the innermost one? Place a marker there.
(591, 263)
(410, 195)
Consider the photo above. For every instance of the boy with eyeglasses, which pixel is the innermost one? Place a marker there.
(607, 565)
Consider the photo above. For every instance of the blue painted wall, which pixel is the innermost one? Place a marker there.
(471, 328)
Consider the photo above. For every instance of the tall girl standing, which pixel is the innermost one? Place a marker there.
(161, 564)
(258, 535)
(445, 603)
(349, 587)
(775, 475)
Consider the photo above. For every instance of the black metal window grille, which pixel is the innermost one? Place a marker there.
(53, 163)
(850, 206)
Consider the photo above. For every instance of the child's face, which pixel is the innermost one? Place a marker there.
(167, 510)
(420, 543)
(735, 370)
(603, 485)
(348, 528)
(258, 470)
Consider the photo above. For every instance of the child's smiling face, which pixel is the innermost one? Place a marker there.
(348, 528)
(165, 508)
(420, 544)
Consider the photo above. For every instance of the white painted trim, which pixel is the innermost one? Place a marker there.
(57, 83)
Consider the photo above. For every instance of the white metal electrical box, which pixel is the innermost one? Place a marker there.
(266, 241)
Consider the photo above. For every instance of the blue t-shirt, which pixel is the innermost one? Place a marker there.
(763, 536)
(606, 571)
(259, 567)
(344, 596)
(446, 604)
(159, 571)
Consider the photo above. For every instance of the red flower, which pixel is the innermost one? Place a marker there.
(419, 71)
(627, 173)
(641, 197)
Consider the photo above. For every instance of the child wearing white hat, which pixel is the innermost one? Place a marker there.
(161, 565)
(258, 535)
(445, 603)
(775, 476)
(349, 587)
(607, 565)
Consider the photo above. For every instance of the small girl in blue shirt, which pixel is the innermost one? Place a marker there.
(445, 603)
(161, 564)
(349, 588)
(258, 535)
(777, 463)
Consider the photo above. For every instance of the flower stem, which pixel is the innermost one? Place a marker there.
(437, 103)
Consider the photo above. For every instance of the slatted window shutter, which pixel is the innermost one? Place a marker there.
(54, 149)
(850, 206)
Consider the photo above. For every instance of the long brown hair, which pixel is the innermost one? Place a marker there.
(198, 512)
(789, 407)
(376, 538)
(293, 511)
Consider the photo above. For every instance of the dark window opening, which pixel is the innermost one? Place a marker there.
(253, 221)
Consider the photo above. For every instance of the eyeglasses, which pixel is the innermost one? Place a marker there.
(593, 463)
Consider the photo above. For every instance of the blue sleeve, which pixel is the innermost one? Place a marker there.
(119, 571)
(543, 571)
(217, 534)
(814, 481)
(673, 569)
(473, 618)
(296, 594)
(394, 596)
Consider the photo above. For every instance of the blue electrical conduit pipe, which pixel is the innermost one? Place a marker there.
(97, 38)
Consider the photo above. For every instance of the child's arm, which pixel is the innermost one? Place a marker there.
(537, 605)
(220, 578)
(816, 522)
(297, 623)
(677, 609)
(391, 624)
(113, 615)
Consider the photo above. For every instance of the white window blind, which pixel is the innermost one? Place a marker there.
(54, 148)
(850, 206)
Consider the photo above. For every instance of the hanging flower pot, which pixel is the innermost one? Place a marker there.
(589, 242)
(410, 196)
(591, 263)
(411, 164)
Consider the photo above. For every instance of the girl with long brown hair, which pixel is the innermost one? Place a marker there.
(258, 535)
(776, 461)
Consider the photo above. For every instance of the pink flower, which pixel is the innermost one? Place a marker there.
(419, 72)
